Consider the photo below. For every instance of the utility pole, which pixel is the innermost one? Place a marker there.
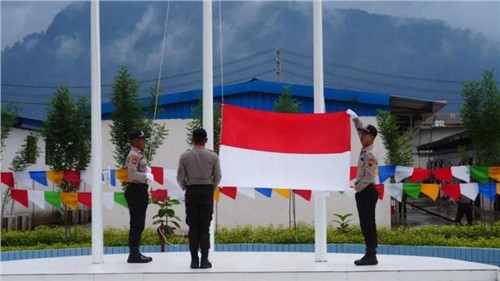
(278, 64)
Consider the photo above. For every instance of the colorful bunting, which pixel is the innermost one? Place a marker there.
(217, 194)
(53, 198)
(22, 179)
(469, 190)
(452, 191)
(37, 197)
(157, 174)
(385, 172)
(480, 173)
(159, 195)
(85, 198)
(494, 173)
(119, 198)
(430, 189)
(112, 177)
(306, 194)
(229, 191)
(248, 192)
(488, 190)
(8, 179)
(420, 175)
(352, 173)
(72, 177)
(55, 177)
(20, 196)
(70, 199)
(380, 190)
(395, 190)
(412, 189)
(443, 174)
(283, 192)
(264, 191)
(40, 177)
(402, 173)
(498, 188)
(461, 173)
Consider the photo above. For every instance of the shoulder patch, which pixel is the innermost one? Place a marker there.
(134, 159)
(371, 160)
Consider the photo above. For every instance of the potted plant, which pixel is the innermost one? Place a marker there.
(166, 219)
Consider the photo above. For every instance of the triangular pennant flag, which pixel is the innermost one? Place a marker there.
(451, 190)
(412, 189)
(217, 194)
(40, 177)
(480, 173)
(248, 192)
(20, 195)
(264, 191)
(55, 177)
(120, 199)
(108, 201)
(53, 198)
(469, 190)
(72, 177)
(402, 173)
(304, 193)
(85, 198)
(157, 174)
(380, 190)
(461, 173)
(70, 199)
(430, 189)
(494, 173)
(229, 191)
(8, 179)
(420, 175)
(353, 172)
(443, 174)
(22, 179)
(395, 190)
(283, 192)
(488, 190)
(498, 188)
(112, 177)
(385, 172)
(160, 195)
(37, 197)
(121, 174)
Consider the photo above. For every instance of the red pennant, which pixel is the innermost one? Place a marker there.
(85, 198)
(8, 179)
(443, 174)
(380, 190)
(160, 195)
(451, 190)
(73, 177)
(306, 194)
(229, 191)
(157, 174)
(20, 195)
(420, 175)
(353, 172)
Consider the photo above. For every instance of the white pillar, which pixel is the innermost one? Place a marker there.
(208, 88)
(96, 163)
(319, 107)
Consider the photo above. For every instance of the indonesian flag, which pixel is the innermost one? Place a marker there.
(285, 150)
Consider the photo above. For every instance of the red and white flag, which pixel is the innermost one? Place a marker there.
(285, 150)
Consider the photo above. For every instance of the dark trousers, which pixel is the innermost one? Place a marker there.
(199, 200)
(366, 200)
(137, 198)
(464, 209)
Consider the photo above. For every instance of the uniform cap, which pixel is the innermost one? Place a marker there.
(369, 129)
(138, 135)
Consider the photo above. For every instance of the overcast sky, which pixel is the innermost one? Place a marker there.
(21, 18)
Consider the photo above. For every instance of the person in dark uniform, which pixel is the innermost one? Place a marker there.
(136, 194)
(366, 193)
(199, 174)
(464, 208)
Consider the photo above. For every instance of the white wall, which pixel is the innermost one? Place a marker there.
(242, 211)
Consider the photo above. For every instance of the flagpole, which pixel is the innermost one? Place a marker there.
(96, 163)
(208, 95)
(319, 107)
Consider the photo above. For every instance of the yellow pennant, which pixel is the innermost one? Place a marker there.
(217, 194)
(121, 174)
(70, 199)
(430, 189)
(55, 177)
(498, 188)
(494, 173)
(283, 192)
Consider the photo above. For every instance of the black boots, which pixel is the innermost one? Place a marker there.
(136, 257)
(205, 263)
(370, 258)
(195, 261)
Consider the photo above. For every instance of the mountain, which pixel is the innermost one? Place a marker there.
(376, 53)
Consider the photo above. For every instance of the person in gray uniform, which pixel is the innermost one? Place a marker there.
(136, 194)
(199, 174)
(366, 193)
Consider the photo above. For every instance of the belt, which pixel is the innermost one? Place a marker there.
(200, 186)
(136, 184)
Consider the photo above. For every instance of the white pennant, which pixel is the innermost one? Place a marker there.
(174, 190)
(403, 173)
(23, 179)
(248, 192)
(461, 173)
(469, 190)
(395, 190)
(37, 197)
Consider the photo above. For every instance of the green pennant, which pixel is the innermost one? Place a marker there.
(120, 199)
(341, 192)
(412, 189)
(53, 198)
(480, 173)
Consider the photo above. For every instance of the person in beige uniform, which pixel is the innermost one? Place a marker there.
(366, 193)
(136, 194)
(199, 174)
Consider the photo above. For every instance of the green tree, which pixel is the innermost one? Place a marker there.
(158, 131)
(396, 142)
(481, 118)
(67, 134)
(287, 104)
(197, 122)
(127, 116)
(9, 115)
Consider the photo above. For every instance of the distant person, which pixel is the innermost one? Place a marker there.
(136, 194)
(366, 194)
(199, 174)
(464, 208)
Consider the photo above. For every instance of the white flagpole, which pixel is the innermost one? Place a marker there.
(319, 107)
(96, 163)
(208, 88)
